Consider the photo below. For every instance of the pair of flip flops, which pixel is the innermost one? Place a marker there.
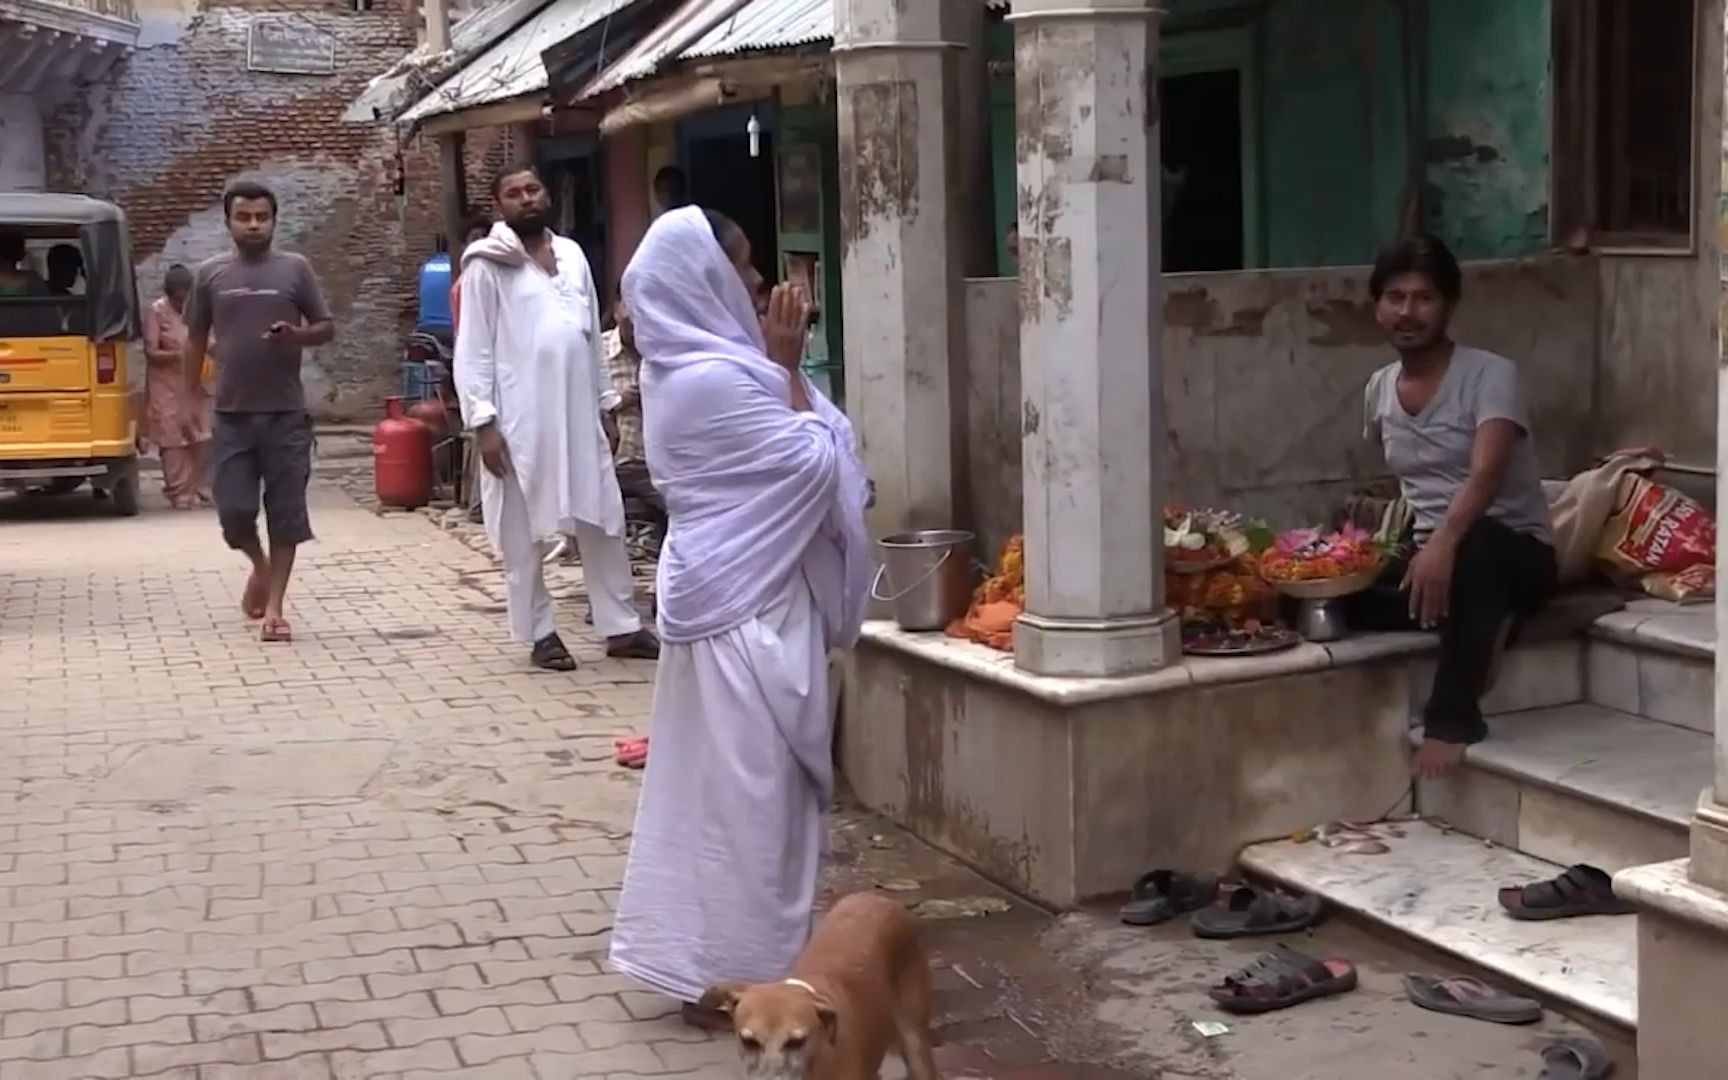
(1282, 978)
(1581, 890)
(1465, 996)
(1162, 895)
(1575, 1058)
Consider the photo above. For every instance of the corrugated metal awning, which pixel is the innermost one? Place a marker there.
(512, 67)
(767, 24)
(681, 29)
(412, 76)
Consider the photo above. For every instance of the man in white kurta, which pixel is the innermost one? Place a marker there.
(532, 386)
(763, 571)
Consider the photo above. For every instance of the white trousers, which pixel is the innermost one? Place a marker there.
(605, 573)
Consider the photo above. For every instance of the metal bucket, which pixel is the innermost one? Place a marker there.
(928, 574)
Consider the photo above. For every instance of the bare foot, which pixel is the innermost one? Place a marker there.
(257, 594)
(705, 1019)
(1435, 759)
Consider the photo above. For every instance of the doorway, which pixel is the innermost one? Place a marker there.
(1202, 152)
(570, 167)
(725, 176)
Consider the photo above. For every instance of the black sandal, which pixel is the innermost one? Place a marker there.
(642, 645)
(1251, 913)
(1280, 979)
(550, 654)
(1581, 890)
(1575, 1059)
(1162, 895)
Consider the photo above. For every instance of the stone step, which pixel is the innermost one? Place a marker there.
(1440, 889)
(1655, 660)
(1577, 783)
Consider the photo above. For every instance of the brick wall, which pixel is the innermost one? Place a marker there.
(182, 117)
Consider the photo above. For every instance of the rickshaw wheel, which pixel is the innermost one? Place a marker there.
(125, 495)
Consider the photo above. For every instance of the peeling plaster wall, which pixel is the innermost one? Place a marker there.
(1344, 96)
(22, 165)
(1263, 379)
(1334, 130)
(182, 118)
(1486, 142)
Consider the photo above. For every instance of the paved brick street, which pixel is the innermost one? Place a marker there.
(385, 850)
(388, 850)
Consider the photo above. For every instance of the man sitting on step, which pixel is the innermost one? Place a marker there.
(1454, 427)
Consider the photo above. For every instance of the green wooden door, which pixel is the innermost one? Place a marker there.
(809, 182)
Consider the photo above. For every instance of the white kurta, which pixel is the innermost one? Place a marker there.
(528, 358)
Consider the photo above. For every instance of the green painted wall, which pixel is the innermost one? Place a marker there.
(1487, 140)
(1334, 131)
(1369, 109)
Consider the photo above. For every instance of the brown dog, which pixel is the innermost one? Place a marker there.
(860, 986)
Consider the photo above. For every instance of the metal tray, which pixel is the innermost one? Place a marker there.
(1283, 639)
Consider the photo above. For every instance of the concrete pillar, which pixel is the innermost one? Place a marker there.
(901, 274)
(627, 211)
(1093, 418)
(1683, 905)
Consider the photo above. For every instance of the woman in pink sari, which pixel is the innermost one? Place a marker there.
(183, 449)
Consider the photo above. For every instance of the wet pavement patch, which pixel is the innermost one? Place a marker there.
(187, 772)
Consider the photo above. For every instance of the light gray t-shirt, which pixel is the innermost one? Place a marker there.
(235, 300)
(1429, 453)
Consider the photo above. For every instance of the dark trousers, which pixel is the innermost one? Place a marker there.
(1500, 576)
(266, 454)
(635, 483)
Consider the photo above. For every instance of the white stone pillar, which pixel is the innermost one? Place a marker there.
(1090, 320)
(1710, 820)
(894, 66)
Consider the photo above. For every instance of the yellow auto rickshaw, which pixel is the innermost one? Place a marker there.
(71, 361)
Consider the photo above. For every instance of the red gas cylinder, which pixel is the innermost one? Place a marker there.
(401, 459)
(431, 413)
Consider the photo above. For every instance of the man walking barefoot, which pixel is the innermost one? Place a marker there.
(529, 373)
(263, 306)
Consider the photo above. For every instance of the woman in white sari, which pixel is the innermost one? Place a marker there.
(765, 568)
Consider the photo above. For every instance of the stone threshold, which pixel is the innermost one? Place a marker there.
(988, 664)
(1441, 888)
(1684, 630)
(1668, 887)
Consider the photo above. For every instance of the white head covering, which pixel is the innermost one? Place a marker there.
(757, 491)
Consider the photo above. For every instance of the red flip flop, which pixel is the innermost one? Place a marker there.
(631, 751)
(276, 630)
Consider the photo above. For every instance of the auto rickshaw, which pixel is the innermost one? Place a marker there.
(72, 366)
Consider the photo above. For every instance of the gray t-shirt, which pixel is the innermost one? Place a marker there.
(1429, 453)
(235, 300)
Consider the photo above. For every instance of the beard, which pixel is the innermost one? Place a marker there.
(531, 223)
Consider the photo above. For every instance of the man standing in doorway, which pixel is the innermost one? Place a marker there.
(671, 190)
(533, 388)
(264, 307)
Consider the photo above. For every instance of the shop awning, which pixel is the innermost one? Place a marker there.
(411, 77)
(676, 96)
(681, 29)
(765, 25)
(511, 71)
